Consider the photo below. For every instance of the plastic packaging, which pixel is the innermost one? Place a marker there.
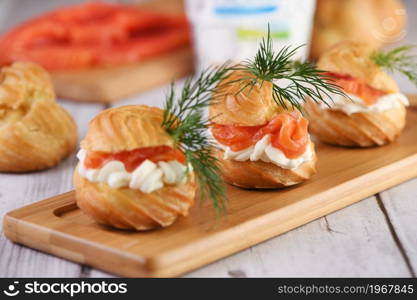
(232, 29)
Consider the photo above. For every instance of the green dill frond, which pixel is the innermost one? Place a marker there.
(398, 60)
(209, 181)
(195, 95)
(299, 79)
(184, 120)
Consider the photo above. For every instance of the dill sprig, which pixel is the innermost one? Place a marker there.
(302, 79)
(398, 60)
(184, 120)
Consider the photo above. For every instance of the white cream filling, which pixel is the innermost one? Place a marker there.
(147, 177)
(356, 104)
(264, 151)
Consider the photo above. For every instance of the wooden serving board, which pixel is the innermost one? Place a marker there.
(345, 176)
(106, 85)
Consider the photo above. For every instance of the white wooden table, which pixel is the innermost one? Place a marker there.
(375, 237)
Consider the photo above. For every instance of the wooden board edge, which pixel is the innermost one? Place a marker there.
(108, 85)
(16, 228)
(413, 100)
(37, 236)
(164, 267)
(19, 227)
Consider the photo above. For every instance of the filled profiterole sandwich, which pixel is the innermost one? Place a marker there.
(373, 111)
(140, 166)
(261, 136)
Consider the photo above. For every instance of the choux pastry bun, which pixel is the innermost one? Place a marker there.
(374, 115)
(260, 144)
(35, 131)
(129, 175)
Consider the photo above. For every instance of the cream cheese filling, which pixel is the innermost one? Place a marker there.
(264, 151)
(147, 177)
(356, 104)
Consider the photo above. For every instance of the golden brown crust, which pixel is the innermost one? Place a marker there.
(35, 132)
(262, 175)
(126, 128)
(363, 129)
(129, 128)
(375, 22)
(250, 107)
(356, 130)
(126, 208)
(352, 58)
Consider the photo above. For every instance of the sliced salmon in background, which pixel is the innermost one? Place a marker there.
(143, 47)
(94, 34)
(357, 87)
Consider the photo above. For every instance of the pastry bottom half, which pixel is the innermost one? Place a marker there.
(263, 175)
(127, 208)
(355, 130)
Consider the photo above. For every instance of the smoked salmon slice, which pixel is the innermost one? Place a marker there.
(94, 34)
(357, 87)
(288, 133)
(132, 159)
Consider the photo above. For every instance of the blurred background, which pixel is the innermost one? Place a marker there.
(231, 29)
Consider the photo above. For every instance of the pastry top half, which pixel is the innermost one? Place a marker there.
(21, 86)
(375, 22)
(233, 104)
(126, 128)
(354, 59)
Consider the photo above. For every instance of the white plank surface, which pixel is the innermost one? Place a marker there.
(347, 243)
(400, 203)
(375, 237)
